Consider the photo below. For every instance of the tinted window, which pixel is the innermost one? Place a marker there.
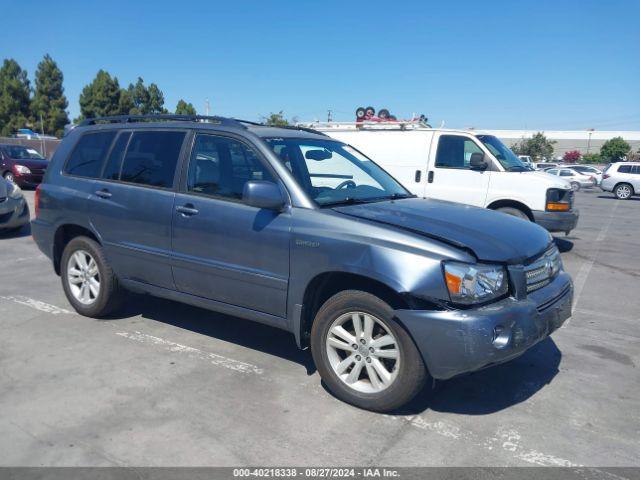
(624, 169)
(151, 158)
(635, 169)
(566, 173)
(221, 166)
(114, 162)
(86, 159)
(455, 152)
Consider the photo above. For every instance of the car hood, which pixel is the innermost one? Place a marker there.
(491, 236)
(31, 162)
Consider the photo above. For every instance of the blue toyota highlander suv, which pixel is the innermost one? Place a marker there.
(288, 227)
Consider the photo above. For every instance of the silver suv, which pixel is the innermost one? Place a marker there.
(622, 178)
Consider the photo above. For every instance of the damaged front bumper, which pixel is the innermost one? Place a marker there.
(453, 342)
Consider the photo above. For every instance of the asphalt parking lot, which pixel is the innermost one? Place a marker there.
(165, 384)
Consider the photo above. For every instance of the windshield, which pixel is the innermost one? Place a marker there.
(503, 154)
(24, 153)
(333, 173)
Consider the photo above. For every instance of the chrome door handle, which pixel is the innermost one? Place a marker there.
(104, 193)
(187, 210)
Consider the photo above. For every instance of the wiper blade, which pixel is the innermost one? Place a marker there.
(344, 201)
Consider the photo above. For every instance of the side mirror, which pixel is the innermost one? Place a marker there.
(477, 161)
(263, 194)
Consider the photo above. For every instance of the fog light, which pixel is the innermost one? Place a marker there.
(501, 337)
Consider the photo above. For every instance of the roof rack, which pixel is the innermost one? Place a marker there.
(162, 117)
(367, 125)
(287, 127)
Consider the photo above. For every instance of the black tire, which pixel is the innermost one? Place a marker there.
(371, 111)
(384, 114)
(516, 212)
(623, 191)
(111, 294)
(411, 376)
(360, 113)
(9, 176)
(575, 186)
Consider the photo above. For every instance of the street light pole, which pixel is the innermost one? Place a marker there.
(590, 130)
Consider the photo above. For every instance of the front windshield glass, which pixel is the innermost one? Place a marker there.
(503, 154)
(333, 173)
(23, 153)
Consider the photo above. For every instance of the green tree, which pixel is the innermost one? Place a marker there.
(146, 100)
(14, 97)
(614, 149)
(101, 97)
(591, 158)
(276, 119)
(49, 101)
(184, 108)
(125, 103)
(536, 147)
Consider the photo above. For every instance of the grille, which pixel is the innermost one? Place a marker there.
(543, 270)
(38, 171)
(2, 199)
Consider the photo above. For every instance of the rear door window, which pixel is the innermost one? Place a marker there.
(114, 162)
(624, 169)
(151, 158)
(88, 156)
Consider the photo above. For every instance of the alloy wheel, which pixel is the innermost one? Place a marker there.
(623, 192)
(363, 352)
(83, 277)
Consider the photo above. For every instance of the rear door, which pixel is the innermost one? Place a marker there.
(225, 250)
(131, 205)
(450, 176)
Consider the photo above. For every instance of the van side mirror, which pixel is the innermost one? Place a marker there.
(263, 194)
(477, 161)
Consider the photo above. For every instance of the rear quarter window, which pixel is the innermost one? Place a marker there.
(624, 169)
(87, 157)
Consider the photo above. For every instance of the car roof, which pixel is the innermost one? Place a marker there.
(196, 122)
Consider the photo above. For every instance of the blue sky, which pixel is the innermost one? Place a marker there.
(495, 64)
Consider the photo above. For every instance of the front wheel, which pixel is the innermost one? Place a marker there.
(515, 212)
(623, 191)
(575, 186)
(363, 355)
(9, 176)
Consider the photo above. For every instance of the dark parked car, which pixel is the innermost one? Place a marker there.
(288, 227)
(14, 211)
(22, 165)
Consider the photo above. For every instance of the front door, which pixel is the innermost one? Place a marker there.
(225, 250)
(450, 176)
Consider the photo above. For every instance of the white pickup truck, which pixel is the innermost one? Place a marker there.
(461, 166)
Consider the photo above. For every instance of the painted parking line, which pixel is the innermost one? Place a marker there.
(213, 358)
(507, 439)
(581, 279)
(36, 304)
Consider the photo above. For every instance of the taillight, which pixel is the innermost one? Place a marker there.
(604, 175)
(37, 200)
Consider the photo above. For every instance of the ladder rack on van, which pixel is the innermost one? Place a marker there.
(369, 125)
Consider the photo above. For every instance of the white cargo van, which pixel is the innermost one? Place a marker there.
(461, 166)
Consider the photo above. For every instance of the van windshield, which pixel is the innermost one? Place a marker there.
(333, 173)
(503, 154)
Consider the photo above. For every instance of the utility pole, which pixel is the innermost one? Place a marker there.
(590, 130)
(42, 142)
(329, 116)
(206, 106)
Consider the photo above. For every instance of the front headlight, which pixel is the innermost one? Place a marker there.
(474, 283)
(22, 170)
(14, 191)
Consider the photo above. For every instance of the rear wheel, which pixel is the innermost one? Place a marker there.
(9, 176)
(623, 191)
(575, 186)
(87, 279)
(363, 355)
(516, 212)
